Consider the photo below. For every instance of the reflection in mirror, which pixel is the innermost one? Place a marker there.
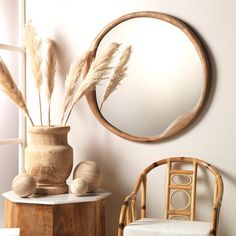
(164, 79)
(166, 82)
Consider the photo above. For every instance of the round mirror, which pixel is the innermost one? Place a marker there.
(166, 82)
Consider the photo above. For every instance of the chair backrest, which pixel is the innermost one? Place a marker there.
(189, 187)
(129, 212)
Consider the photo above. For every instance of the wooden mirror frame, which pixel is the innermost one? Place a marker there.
(183, 120)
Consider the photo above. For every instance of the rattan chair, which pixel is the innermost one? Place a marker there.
(129, 225)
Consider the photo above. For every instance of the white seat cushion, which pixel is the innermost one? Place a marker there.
(10, 232)
(157, 227)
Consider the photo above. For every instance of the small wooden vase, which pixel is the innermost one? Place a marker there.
(49, 159)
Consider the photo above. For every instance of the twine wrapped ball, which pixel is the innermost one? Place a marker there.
(79, 187)
(24, 185)
(90, 172)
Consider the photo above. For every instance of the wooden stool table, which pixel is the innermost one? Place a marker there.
(56, 215)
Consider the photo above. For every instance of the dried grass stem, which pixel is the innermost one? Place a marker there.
(33, 47)
(8, 85)
(118, 75)
(98, 71)
(50, 71)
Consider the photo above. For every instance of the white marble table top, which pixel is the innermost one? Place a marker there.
(10, 232)
(56, 199)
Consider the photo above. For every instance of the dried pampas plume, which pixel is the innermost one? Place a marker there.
(119, 74)
(71, 81)
(98, 71)
(50, 70)
(8, 85)
(32, 46)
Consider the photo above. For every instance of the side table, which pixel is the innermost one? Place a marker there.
(57, 215)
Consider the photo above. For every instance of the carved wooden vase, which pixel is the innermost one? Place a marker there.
(49, 159)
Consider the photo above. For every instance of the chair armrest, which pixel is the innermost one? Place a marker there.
(217, 205)
(128, 209)
(125, 211)
(126, 204)
(129, 198)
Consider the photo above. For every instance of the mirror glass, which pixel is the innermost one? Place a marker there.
(166, 82)
(164, 79)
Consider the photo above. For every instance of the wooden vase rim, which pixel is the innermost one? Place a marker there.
(48, 129)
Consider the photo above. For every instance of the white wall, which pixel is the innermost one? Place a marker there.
(8, 112)
(74, 24)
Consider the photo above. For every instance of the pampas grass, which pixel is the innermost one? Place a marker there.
(71, 81)
(8, 85)
(33, 47)
(98, 71)
(100, 68)
(50, 74)
(119, 74)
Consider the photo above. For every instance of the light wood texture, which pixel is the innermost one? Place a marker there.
(22, 85)
(182, 187)
(24, 185)
(177, 208)
(10, 141)
(90, 172)
(167, 188)
(178, 213)
(170, 212)
(193, 193)
(76, 219)
(181, 122)
(79, 187)
(133, 209)
(183, 183)
(12, 48)
(49, 159)
(181, 172)
(143, 196)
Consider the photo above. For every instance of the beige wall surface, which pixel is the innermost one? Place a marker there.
(74, 24)
(9, 124)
